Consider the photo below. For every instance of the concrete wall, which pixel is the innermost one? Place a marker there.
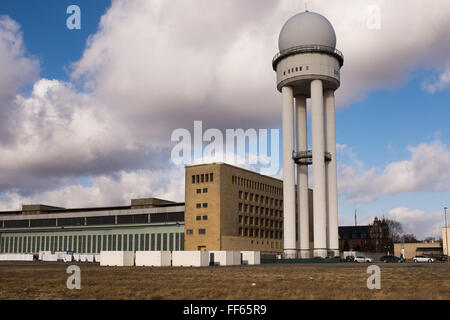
(190, 258)
(16, 257)
(251, 257)
(226, 258)
(153, 258)
(117, 258)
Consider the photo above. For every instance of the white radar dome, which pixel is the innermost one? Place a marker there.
(307, 28)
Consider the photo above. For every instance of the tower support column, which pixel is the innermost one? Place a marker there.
(331, 174)
(318, 158)
(302, 179)
(289, 226)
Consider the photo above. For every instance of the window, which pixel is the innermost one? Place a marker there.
(193, 179)
(240, 219)
(199, 205)
(296, 69)
(164, 241)
(211, 177)
(158, 242)
(307, 67)
(205, 190)
(152, 242)
(198, 218)
(189, 231)
(199, 190)
(246, 196)
(197, 178)
(147, 240)
(202, 178)
(301, 68)
(240, 194)
(205, 217)
(206, 177)
(170, 241)
(201, 231)
(284, 73)
(251, 196)
(205, 205)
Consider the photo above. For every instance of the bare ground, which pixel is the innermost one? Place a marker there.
(272, 282)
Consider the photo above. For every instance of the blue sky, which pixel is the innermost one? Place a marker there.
(46, 36)
(385, 115)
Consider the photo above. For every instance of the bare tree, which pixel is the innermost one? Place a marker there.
(395, 230)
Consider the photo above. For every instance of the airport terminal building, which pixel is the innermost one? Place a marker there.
(226, 208)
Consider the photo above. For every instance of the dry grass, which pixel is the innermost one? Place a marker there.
(271, 282)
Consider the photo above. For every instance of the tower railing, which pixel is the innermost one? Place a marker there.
(307, 49)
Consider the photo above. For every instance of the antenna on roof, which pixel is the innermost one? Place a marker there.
(306, 5)
(356, 223)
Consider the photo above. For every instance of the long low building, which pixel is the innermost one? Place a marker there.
(147, 224)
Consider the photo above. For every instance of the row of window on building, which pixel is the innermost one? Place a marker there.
(200, 205)
(260, 198)
(205, 190)
(190, 232)
(245, 208)
(260, 222)
(296, 69)
(202, 178)
(262, 234)
(93, 243)
(256, 185)
(96, 220)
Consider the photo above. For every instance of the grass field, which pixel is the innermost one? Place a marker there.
(292, 282)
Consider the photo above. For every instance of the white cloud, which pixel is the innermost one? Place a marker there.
(17, 69)
(420, 223)
(434, 85)
(107, 190)
(428, 169)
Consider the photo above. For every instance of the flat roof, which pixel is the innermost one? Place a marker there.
(234, 167)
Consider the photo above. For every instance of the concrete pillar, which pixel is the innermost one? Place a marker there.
(318, 158)
(331, 174)
(302, 180)
(288, 174)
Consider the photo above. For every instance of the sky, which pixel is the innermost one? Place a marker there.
(86, 115)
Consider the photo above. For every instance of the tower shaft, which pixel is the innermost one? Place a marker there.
(302, 178)
(288, 174)
(319, 183)
(331, 174)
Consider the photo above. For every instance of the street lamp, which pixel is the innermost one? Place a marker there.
(446, 229)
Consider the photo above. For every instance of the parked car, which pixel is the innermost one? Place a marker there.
(423, 259)
(443, 257)
(349, 259)
(391, 259)
(362, 259)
